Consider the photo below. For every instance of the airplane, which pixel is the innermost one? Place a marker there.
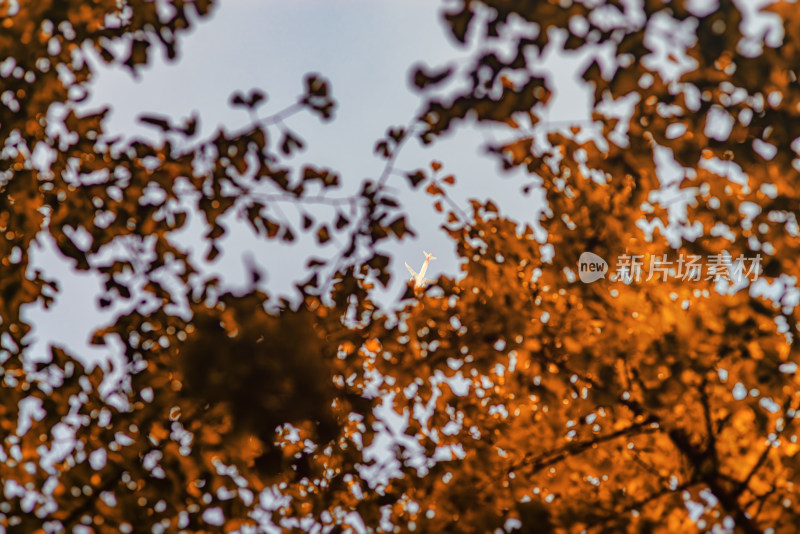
(419, 278)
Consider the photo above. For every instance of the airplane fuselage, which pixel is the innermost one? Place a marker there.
(425, 264)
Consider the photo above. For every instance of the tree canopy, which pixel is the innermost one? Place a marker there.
(531, 400)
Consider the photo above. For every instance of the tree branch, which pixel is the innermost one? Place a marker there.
(555, 456)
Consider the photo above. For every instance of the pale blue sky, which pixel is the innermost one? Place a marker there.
(365, 49)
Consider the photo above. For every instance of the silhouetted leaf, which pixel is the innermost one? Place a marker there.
(422, 79)
(323, 236)
(159, 121)
(415, 178)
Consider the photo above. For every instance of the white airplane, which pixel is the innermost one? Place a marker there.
(419, 278)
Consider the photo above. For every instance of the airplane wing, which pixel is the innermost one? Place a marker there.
(412, 271)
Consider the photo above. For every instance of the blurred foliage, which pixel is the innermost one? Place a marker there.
(531, 402)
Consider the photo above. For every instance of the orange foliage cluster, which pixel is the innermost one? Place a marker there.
(532, 402)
